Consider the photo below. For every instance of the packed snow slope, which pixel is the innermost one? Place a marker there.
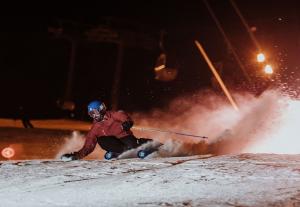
(203, 180)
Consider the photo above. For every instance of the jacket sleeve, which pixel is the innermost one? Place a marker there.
(89, 144)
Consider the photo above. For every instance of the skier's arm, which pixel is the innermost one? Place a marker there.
(89, 145)
(124, 119)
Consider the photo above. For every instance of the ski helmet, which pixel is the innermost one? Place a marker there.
(96, 109)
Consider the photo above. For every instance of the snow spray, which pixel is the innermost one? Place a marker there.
(229, 131)
(72, 144)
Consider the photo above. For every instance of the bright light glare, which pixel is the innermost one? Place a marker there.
(268, 69)
(158, 68)
(8, 152)
(285, 139)
(261, 57)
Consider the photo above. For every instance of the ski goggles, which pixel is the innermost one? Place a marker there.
(95, 114)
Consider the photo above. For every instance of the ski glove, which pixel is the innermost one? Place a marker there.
(69, 157)
(127, 125)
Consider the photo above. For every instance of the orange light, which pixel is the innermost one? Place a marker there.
(268, 69)
(158, 68)
(217, 76)
(8, 152)
(260, 57)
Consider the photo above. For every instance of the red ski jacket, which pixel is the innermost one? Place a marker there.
(109, 126)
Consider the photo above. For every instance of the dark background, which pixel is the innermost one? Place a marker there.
(34, 60)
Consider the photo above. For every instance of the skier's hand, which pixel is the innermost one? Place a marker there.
(69, 157)
(127, 125)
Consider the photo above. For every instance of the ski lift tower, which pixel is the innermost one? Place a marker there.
(113, 31)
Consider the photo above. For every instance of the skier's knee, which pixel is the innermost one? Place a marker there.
(130, 142)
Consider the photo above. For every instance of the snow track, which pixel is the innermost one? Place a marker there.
(229, 180)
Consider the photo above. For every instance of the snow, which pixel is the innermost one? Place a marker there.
(229, 180)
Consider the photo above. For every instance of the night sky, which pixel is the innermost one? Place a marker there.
(34, 63)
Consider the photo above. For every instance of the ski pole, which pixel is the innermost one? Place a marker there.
(167, 131)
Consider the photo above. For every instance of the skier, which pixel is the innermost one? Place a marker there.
(110, 129)
(23, 114)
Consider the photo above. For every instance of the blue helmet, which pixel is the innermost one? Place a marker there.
(96, 105)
